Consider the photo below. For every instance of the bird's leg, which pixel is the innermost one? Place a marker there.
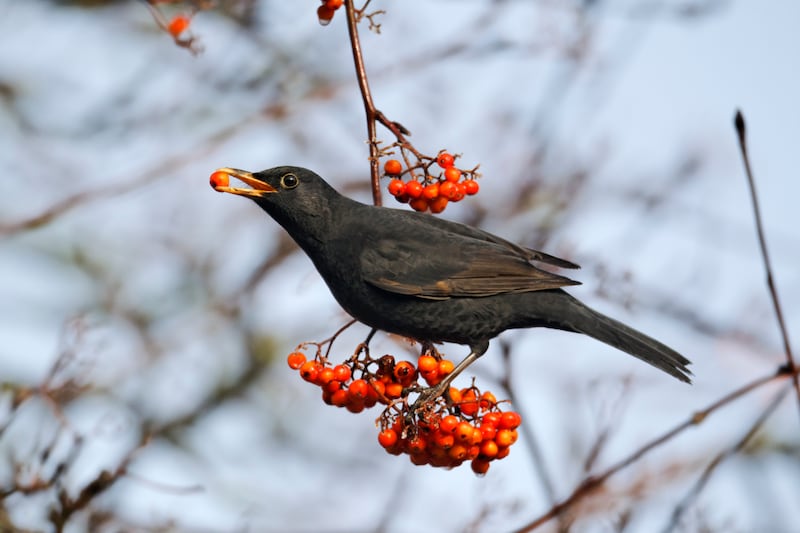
(443, 386)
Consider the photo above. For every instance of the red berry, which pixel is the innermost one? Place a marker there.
(510, 420)
(334, 4)
(488, 400)
(178, 25)
(427, 363)
(310, 371)
(325, 376)
(459, 193)
(387, 438)
(359, 389)
(463, 432)
(413, 189)
(397, 187)
(445, 367)
(452, 174)
(219, 179)
(447, 189)
(448, 424)
(479, 466)
(394, 390)
(341, 373)
(489, 449)
(438, 204)
(419, 204)
(455, 394)
(505, 437)
(416, 445)
(340, 398)
(296, 360)
(404, 372)
(325, 14)
(445, 160)
(471, 187)
(431, 191)
(392, 167)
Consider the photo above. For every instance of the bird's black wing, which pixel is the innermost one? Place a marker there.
(476, 233)
(443, 264)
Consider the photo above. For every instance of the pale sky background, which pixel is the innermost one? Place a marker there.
(94, 98)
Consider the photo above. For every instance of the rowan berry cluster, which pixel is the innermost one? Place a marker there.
(326, 11)
(466, 425)
(431, 193)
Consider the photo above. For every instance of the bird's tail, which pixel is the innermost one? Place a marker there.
(583, 319)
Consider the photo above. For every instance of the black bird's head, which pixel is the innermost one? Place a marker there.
(297, 198)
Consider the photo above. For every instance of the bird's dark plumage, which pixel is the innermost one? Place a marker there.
(431, 279)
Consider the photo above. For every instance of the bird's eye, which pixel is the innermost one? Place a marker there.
(289, 181)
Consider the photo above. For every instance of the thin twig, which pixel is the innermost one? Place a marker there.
(366, 96)
(698, 487)
(590, 483)
(741, 130)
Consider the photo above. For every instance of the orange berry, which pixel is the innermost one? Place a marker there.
(310, 370)
(393, 167)
(419, 459)
(358, 389)
(489, 449)
(432, 378)
(396, 187)
(325, 14)
(448, 424)
(445, 367)
(463, 432)
(416, 445)
(444, 440)
(418, 204)
(458, 452)
(458, 193)
(488, 401)
(334, 4)
(431, 191)
(474, 451)
(452, 174)
(393, 390)
(505, 437)
(296, 360)
(469, 402)
(492, 418)
(455, 395)
(178, 25)
(341, 373)
(471, 187)
(219, 179)
(447, 189)
(325, 376)
(510, 420)
(405, 373)
(488, 432)
(479, 466)
(414, 189)
(354, 405)
(445, 160)
(438, 204)
(387, 438)
(502, 453)
(340, 398)
(427, 363)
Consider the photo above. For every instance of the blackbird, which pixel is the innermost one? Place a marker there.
(431, 279)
